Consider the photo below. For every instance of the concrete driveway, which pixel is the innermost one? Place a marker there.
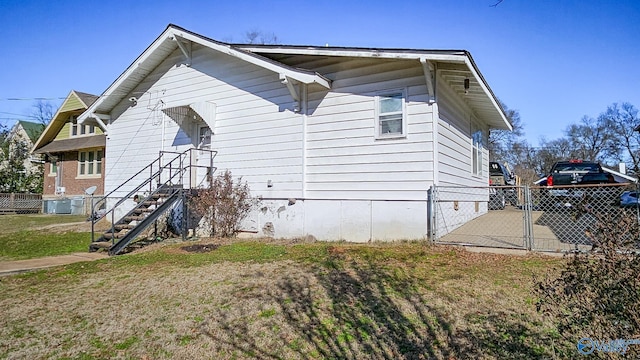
(506, 229)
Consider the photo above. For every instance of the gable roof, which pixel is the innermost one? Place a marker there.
(454, 66)
(172, 38)
(76, 101)
(87, 99)
(33, 130)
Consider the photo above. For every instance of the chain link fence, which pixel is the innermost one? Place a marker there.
(556, 219)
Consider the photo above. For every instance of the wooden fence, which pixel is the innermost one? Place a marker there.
(13, 203)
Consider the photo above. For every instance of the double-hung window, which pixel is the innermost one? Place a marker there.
(391, 118)
(90, 163)
(80, 129)
(53, 167)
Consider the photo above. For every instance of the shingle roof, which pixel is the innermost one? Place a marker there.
(32, 129)
(83, 142)
(88, 99)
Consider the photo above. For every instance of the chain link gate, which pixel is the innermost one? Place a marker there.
(487, 216)
(564, 218)
(552, 219)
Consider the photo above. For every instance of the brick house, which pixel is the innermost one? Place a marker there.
(73, 153)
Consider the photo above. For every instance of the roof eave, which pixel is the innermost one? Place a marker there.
(448, 56)
(170, 34)
(52, 123)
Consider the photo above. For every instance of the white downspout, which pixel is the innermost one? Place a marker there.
(305, 107)
(435, 113)
(436, 146)
(304, 100)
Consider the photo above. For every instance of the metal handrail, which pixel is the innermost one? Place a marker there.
(147, 181)
(180, 169)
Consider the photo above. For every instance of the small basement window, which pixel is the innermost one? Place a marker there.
(391, 116)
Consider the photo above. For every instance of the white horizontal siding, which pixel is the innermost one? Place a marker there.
(257, 136)
(343, 157)
(454, 141)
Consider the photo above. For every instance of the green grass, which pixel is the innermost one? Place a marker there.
(33, 244)
(21, 236)
(274, 300)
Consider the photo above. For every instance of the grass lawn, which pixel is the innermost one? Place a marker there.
(14, 223)
(31, 236)
(273, 300)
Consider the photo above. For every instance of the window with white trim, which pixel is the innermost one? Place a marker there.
(391, 117)
(204, 135)
(90, 163)
(53, 167)
(80, 129)
(476, 153)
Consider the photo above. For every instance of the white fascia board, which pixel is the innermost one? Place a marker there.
(488, 92)
(306, 77)
(172, 33)
(458, 57)
(125, 75)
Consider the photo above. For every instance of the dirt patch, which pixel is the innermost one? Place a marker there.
(84, 226)
(200, 248)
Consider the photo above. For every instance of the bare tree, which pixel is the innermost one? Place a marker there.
(256, 36)
(43, 111)
(625, 141)
(502, 141)
(526, 162)
(554, 150)
(591, 138)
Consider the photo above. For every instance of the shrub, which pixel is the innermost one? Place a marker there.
(223, 205)
(597, 294)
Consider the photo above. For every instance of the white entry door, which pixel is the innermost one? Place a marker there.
(202, 158)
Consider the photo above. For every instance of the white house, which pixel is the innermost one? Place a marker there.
(340, 143)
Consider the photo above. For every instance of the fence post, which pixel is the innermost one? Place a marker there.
(528, 218)
(638, 209)
(431, 215)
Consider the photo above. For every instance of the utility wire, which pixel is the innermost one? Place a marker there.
(64, 97)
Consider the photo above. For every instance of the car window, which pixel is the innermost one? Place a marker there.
(495, 169)
(577, 167)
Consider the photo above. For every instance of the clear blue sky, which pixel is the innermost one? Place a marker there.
(554, 61)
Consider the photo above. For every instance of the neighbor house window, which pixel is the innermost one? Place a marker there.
(476, 153)
(80, 129)
(391, 119)
(90, 163)
(53, 167)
